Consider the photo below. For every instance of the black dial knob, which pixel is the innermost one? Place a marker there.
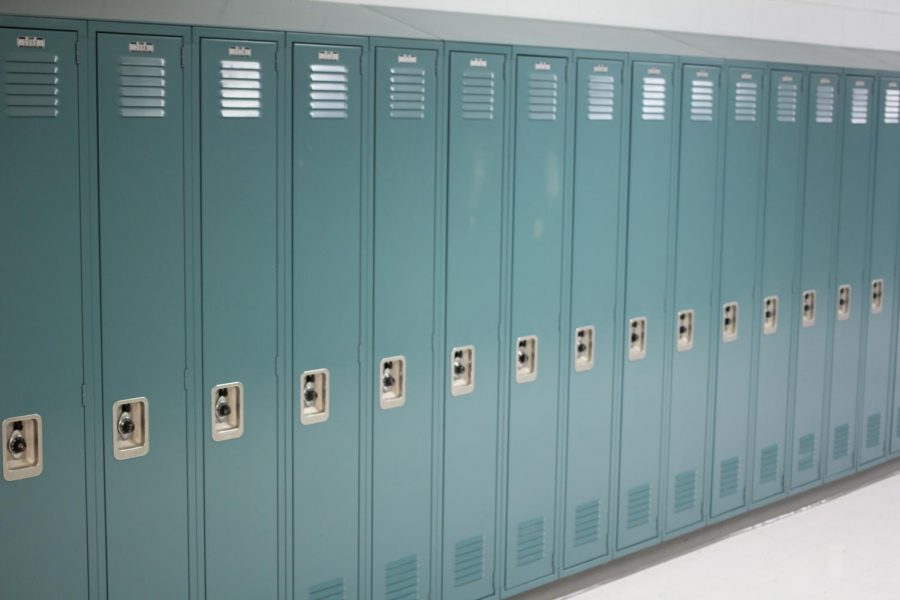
(310, 394)
(126, 426)
(223, 409)
(17, 445)
(522, 357)
(458, 367)
(388, 380)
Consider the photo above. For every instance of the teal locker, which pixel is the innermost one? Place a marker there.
(239, 98)
(475, 205)
(406, 188)
(43, 487)
(696, 321)
(596, 254)
(816, 300)
(737, 309)
(537, 255)
(327, 221)
(140, 93)
(778, 307)
(649, 331)
(881, 287)
(852, 290)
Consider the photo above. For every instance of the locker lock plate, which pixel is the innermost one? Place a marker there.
(843, 303)
(637, 338)
(526, 358)
(877, 296)
(730, 322)
(23, 454)
(131, 428)
(392, 382)
(809, 308)
(685, 330)
(315, 396)
(584, 348)
(770, 315)
(227, 411)
(462, 370)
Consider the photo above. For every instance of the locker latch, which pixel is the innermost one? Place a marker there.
(392, 382)
(637, 338)
(809, 308)
(526, 358)
(315, 396)
(462, 370)
(730, 322)
(584, 348)
(770, 315)
(685, 333)
(227, 405)
(877, 296)
(22, 451)
(843, 309)
(131, 428)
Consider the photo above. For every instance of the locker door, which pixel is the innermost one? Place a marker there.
(597, 251)
(405, 200)
(43, 524)
(648, 327)
(474, 234)
(881, 283)
(540, 146)
(816, 301)
(853, 291)
(140, 96)
(779, 255)
(696, 321)
(327, 220)
(737, 326)
(239, 181)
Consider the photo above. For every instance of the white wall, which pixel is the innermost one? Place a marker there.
(850, 23)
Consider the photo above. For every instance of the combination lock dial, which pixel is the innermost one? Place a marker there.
(126, 425)
(17, 444)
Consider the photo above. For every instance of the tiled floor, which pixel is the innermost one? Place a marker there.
(847, 548)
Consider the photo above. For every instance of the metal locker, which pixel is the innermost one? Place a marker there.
(406, 191)
(537, 257)
(737, 309)
(816, 301)
(649, 331)
(326, 252)
(475, 207)
(42, 492)
(599, 197)
(783, 206)
(880, 284)
(695, 323)
(239, 170)
(141, 137)
(852, 289)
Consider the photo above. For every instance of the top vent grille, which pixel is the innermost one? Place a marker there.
(142, 87)
(478, 94)
(542, 96)
(892, 105)
(32, 84)
(702, 96)
(859, 106)
(408, 91)
(329, 91)
(240, 89)
(788, 93)
(745, 101)
(825, 94)
(653, 99)
(601, 97)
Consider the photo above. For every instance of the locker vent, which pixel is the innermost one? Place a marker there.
(329, 91)
(328, 590)
(840, 445)
(401, 579)
(787, 102)
(32, 84)
(685, 491)
(407, 93)
(653, 99)
(768, 464)
(825, 103)
(587, 523)
(468, 561)
(240, 88)
(873, 430)
(601, 97)
(806, 451)
(530, 541)
(859, 106)
(142, 86)
(891, 106)
(478, 95)
(542, 96)
(729, 476)
(745, 101)
(702, 91)
(638, 506)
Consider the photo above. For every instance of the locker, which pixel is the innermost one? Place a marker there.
(42, 492)
(737, 307)
(816, 299)
(874, 415)
(696, 322)
(328, 196)
(853, 290)
(141, 121)
(406, 189)
(651, 192)
(596, 257)
(537, 251)
(475, 207)
(783, 206)
(239, 97)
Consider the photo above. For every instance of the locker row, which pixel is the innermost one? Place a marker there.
(304, 316)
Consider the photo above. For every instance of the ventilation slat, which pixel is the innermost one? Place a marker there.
(859, 105)
(873, 430)
(530, 541)
(31, 85)
(401, 578)
(246, 105)
(825, 101)
(685, 491)
(328, 590)
(806, 451)
(768, 464)
(840, 444)
(587, 523)
(601, 103)
(729, 477)
(142, 87)
(787, 97)
(702, 100)
(407, 80)
(746, 101)
(892, 104)
(468, 561)
(478, 91)
(639, 498)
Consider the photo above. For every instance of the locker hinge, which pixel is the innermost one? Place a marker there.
(184, 56)
(277, 365)
(77, 53)
(186, 375)
(83, 395)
